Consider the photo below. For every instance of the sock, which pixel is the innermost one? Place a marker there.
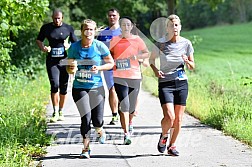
(55, 108)
(114, 114)
(130, 122)
(60, 109)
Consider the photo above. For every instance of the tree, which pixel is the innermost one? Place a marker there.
(17, 15)
(172, 4)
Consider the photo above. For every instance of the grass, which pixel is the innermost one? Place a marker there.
(22, 120)
(220, 88)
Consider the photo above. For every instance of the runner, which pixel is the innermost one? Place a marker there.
(57, 34)
(126, 49)
(88, 91)
(105, 36)
(175, 52)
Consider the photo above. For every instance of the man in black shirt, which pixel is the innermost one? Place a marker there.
(57, 33)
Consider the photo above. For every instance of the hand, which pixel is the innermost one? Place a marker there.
(72, 67)
(66, 45)
(185, 58)
(134, 57)
(159, 74)
(46, 49)
(95, 69)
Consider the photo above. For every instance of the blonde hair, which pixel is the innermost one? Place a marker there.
(86, 22)
(171, 17)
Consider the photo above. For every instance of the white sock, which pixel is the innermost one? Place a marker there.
(55, 108)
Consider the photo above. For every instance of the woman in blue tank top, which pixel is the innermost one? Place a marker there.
(88, 92)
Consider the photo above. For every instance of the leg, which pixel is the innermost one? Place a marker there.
(113, 100)
(124, 119)
(133, 100)
(113, 103)
(53, 75)
(166, 99)
(122, 93)
(81, 99)
(179, 111)
(97, 112)
(63, 83)
(55, 100)
(168, 119)
(180, 97)
(62, 100)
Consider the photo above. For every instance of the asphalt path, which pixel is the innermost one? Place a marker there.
(199, 145)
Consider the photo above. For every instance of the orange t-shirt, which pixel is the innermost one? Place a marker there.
(122, 49)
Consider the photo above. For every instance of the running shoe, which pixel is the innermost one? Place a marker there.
(114, 120)
(55, 117)
(162, 143)
(85, 154)
(131, 129)
(127, 140)
(172, 151)
(61, 116)
(102, 136)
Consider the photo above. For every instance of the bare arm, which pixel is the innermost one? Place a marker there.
(42, 47)
(109, 63)
(189, 61)
(144, 54)
(152, 59)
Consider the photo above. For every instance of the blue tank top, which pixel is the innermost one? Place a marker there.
(86, 58)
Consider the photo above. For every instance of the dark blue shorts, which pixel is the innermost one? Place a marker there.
(175, 91)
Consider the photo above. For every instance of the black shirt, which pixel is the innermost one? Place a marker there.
(56, 34)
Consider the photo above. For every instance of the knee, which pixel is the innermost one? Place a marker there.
(54, 87)
(98, 123)
(178, 121)
(170, 118)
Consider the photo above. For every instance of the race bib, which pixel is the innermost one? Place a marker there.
(57, 52)
(123, 64)
(181, 75)
(84, 76)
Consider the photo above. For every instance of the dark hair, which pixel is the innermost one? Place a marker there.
(113, 10)
(126, 17)
(134, 29)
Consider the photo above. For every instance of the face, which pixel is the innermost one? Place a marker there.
(88, 31)
(173, 28)
(126, 26)
(57, 18)
(113, 17)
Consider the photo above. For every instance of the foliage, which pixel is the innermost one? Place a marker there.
(22, 120)
(17, 15)
(25, 54)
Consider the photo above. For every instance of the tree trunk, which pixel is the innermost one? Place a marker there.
(171, 7)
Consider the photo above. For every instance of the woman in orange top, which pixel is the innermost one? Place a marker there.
(126, 49)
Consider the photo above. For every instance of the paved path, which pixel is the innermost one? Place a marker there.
(198, 144)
